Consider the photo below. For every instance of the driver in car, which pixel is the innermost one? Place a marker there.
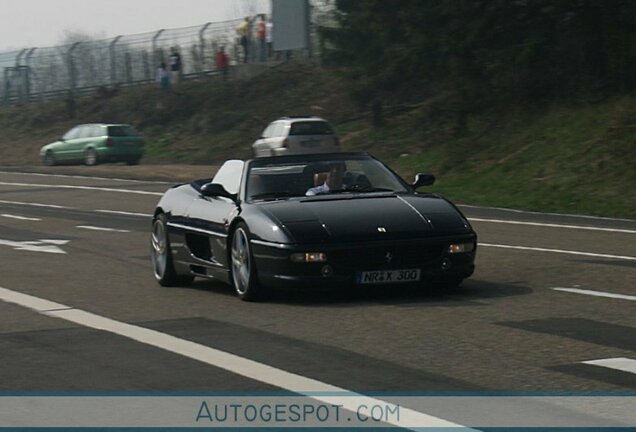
(329, 181)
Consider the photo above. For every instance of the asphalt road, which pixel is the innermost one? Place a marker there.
(506, 329)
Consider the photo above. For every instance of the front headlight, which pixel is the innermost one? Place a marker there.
(461, 248)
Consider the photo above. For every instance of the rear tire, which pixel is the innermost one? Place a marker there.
(132, 161)
(90, 157)
(161, 256)
(243, 273)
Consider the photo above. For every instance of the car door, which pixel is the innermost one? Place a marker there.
(278, 135)
(260, 145)
(209, 218)
(86, 138)
(63, 147)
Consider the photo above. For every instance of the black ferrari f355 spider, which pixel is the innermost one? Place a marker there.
(309, 221)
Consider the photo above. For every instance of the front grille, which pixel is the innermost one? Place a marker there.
(400, 256)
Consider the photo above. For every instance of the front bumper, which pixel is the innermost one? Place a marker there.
(275, 268)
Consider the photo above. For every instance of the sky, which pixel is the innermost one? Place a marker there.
(44, 23)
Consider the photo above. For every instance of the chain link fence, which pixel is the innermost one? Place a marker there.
(81, 68)
(68, 71)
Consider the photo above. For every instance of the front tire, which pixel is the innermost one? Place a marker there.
(90, 157)
(49, 158)
(161, 255)
(244, 276)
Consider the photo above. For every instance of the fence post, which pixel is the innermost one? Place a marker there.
(18, 58)
(127, 60)
(7, 87)
(113, 60)
(29, 74)
(308, 27)
(202, 46)
(155, 57)
(16, 73)
(146, 66)
(72, 76)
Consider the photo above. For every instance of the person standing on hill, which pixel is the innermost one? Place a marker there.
(261, 34)
(175, 65)
(269, 28)
(163, 77)
(222, 62)
(243, 31)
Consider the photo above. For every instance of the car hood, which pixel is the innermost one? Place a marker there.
(366, 218)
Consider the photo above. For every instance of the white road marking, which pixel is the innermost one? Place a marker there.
(86, 177)
(124, 213)
(581, 227)
(251, 369)
(48, 246)
(71, 208)
(569, 252)
(619, 363)
(34, 204)
(55, 241)
(95, 228)
(545, 214)
(597, 293)
(101, 189)
(10, 216)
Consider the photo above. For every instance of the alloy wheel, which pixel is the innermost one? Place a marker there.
(159, 249)
(241, 265)
(91, 157)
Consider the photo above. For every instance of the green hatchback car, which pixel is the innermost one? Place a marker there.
(95, 143)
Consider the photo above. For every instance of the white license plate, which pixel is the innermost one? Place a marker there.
(388, 276)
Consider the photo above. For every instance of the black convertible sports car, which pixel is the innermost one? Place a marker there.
(308, 221)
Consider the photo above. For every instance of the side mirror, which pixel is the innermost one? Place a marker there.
(423, 180)
(61, 139)
(216, 190)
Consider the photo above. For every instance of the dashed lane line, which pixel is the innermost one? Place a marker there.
(93, 188)
(96, 228)
(561, 251)
(516, 211)
(548, 225)
(596, 293)
(117, 212)
(87, 177)
(54, 206)
(35, 204)
(10, 216)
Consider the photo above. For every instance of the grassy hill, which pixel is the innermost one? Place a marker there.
(564, 158)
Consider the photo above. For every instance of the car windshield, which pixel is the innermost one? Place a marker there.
(119, 131)
(310, 128)
(282, 178)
